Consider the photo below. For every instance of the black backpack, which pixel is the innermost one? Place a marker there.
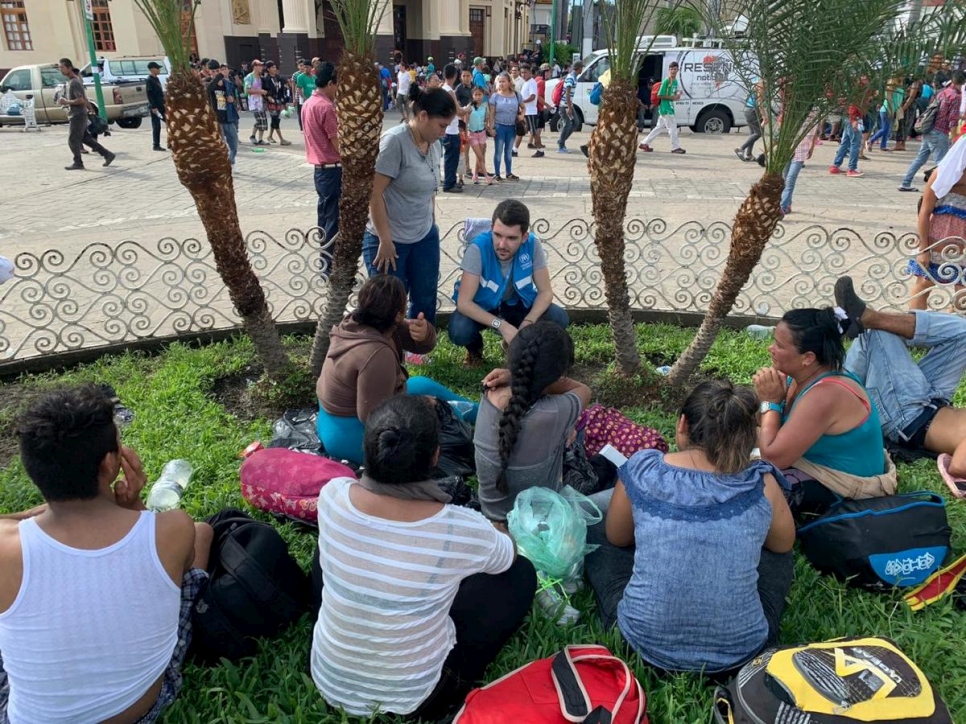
(878, 543)
(255, 589)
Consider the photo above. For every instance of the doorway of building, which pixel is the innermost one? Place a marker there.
(478, 30)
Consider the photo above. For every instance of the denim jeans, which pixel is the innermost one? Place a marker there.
(451, 159)
(328, 185)
(851, 144)
(791, 177)
(934, 143)
(754, 126)
(900, 388)
(566, 124)
(466, 332)
(417, 267)
(609, 569)
(229, 132)
(885, 128)
(505, 136)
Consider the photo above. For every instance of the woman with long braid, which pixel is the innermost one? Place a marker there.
(526, 415)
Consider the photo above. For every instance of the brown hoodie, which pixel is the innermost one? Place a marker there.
(364, 367)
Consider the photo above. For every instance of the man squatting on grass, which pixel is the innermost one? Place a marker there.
(92, 576)
(505, 284)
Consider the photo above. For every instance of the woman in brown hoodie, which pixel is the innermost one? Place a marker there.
(364, 365)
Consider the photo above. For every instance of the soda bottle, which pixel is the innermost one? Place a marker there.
(167, 491)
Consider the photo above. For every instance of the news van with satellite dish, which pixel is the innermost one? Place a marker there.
(713, 91)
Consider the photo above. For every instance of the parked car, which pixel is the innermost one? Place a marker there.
(713, 93)
(128, 68)
(126, 102)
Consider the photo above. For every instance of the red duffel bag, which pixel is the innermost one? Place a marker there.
(582, 684)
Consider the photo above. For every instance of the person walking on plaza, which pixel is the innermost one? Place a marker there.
(223, 97)
(894, 94)
(567, 107)
(305, 87)
(755, 108)
(276, 100)
(403, 81)
(156, 103)
(851, 143)
(531, 109)
(668, 94)
(505, 284)
(75, 100)
(935, 142)
(322, 151)
(256, 92)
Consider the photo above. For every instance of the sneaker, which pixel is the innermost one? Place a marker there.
(512, 177)
(453, 190)
(834, 170)
(854, 174)
(74, 167)
(474, 358)
(109, 158)
(786, 210)
(538, 154)
(285, 143)
(158, 148)
(909, 188)
(531, 146)
(554, 602)
(644, 147)
(740, 155)
(252, 140)
(585, 149)
(562, 149)
(679, 151)
(514, 153)
(497, 178)
(416, 359)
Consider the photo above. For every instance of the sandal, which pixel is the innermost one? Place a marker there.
(956, 485)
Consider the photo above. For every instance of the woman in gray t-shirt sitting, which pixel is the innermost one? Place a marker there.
(526, 415)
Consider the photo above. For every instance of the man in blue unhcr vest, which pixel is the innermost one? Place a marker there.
(505, 283)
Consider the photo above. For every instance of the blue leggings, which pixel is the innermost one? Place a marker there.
(342, 436)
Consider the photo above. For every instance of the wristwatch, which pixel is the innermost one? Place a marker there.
(496, 323)
(766, 406)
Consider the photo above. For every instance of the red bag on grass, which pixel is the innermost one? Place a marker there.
(287, 483)
(583, 684)
(607, 426)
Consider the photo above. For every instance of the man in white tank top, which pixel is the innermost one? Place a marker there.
(91, 575)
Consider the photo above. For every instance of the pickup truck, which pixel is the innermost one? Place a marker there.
(126, 102)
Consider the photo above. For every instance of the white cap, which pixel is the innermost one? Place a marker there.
(6, 269)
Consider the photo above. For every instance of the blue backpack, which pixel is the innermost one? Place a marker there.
(878, 543)
(596, 93)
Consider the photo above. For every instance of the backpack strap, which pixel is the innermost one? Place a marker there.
(252, 577)
(573, 697)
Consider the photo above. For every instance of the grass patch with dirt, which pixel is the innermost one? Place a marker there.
(197, 403)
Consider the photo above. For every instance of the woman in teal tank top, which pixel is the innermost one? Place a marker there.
(811, 408)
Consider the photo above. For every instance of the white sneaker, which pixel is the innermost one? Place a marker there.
(555, 603)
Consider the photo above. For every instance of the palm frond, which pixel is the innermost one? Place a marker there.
(174, 27)
(622, 28)
(359, 20)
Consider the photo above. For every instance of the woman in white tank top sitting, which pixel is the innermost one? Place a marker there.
(95, 591)
(418, 596)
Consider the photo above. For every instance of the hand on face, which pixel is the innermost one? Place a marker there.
(127, 490)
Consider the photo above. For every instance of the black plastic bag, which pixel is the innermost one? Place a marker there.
(296, 430)
(457, 456)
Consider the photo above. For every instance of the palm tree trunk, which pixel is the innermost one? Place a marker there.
(754, 224)
(201, 161)
(359, 111)
(612, 154)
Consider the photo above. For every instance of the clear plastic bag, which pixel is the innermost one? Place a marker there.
(550, 529)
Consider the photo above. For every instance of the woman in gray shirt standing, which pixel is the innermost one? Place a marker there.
(505, 106)
(401, 237)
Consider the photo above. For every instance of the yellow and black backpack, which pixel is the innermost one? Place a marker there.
(843, 681)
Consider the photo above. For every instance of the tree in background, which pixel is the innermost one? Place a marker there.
(201, 162)
(810, 56)
(683, 21)
(359, 111)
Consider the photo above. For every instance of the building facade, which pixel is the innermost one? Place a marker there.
(42, 31)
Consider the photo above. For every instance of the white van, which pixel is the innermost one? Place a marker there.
(713, 94)
(115, 70)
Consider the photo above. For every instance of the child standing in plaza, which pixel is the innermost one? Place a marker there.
(476, 126)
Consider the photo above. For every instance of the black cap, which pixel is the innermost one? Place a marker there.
(212, 64)
(152, 65)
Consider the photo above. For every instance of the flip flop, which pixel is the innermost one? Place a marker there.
(956, 485)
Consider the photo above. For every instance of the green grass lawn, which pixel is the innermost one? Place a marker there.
(179, 416)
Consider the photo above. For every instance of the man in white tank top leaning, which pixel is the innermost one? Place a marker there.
(95, 590)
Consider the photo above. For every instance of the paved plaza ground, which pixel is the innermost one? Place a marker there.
(139, 197)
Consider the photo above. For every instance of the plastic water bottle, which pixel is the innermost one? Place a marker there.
(760, 331)
(167, 491)
(663, 370)
(463, 408)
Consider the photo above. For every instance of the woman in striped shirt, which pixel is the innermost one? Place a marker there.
(418, 596)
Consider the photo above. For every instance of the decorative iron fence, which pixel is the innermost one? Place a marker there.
(107, 295)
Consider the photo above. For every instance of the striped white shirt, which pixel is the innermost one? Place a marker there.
(384, 629)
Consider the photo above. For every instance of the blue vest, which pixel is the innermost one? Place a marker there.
(492, 282)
